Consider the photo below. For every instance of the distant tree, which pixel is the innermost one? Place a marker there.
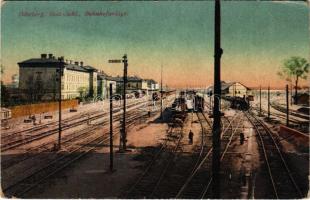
(82, 91)
(294, 69)
(4, 90)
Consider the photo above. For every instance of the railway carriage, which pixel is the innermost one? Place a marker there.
(199, 102)
(5, 114)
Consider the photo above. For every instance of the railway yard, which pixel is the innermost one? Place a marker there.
(162, 161)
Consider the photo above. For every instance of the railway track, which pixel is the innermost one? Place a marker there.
(281, 179)
(198, 183)
(282, 116)
(48, 146)
(148, 181)
(34, 136)
(74, 151)
(184, 163)
(183, 175)
(292, 112)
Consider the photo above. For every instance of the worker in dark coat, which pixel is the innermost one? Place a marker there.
(34, 119)
(149, 113)
(241, 138)
(190, 137)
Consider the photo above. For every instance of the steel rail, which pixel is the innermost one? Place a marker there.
(16, 143)
(149, 167)
(69, 119)
(200, 156)
(58, 168)
(222, 156)
(251, 118)
(190, 178)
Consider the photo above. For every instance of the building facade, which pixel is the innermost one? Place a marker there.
(136, 84)
(232, 89)
(39, 79)
(103, 85)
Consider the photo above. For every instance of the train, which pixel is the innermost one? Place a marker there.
(241, 103)
(156, 95)
(189, 101)
(199, 102)
(5, 114)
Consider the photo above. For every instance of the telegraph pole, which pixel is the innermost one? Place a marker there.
(125, 61)
(111, 128)
(287, 107)
(268, 102)
(216, 129)
(161, 92)
(291, 94)
(123, 140)
(60, 73)
(260, 100)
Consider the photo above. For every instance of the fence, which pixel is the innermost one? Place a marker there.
(30, 109)
(300, 139)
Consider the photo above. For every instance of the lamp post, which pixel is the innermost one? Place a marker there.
(60, 74)
(111, 128)
(123, 139)
(216, 129)
(287, 106)
(268, 96)
(161, 92)
(260, 100)
(125, 61)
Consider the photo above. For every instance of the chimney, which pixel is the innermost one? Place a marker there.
(76, 63)
(43, 55)
(50, 56)
(81, 63)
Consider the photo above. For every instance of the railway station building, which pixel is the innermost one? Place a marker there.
(135, 84)
(38, 78)
(103, 85)
(232, 89)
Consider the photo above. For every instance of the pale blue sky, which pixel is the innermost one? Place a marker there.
(256, 37)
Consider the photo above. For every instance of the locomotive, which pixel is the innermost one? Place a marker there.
(238, 102)
(191, 101)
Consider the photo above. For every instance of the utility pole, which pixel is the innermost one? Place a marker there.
(125, 61)
(291, 94)
(268, 102)
(210, 102)
(287, 107)
(123, 140)
(260, 100)
(216, 129)
(161, 92)
(111, 128)
(60, 73)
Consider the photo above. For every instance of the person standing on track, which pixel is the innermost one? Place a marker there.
(190, 137)
(241, 138)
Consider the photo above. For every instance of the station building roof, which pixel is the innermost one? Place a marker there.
(225, 86)
(52, 62)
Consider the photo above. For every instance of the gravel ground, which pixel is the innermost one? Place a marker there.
(90, 177)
